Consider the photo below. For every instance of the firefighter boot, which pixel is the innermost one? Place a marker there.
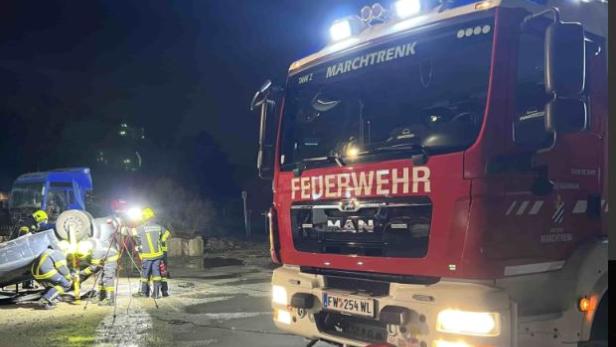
(156, 290)
(164, 288)
(144, 292)
(102, 295)
(108, 301)
(46, 304)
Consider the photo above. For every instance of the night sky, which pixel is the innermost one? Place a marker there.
(176, 68)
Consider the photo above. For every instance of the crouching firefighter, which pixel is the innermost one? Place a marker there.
(101, 257)
(32, 224)
(149, 245)
(51, 271)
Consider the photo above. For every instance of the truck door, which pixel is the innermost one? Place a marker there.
(548, 197)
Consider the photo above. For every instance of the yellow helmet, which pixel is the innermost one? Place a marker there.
(40, 216)
(147, 214)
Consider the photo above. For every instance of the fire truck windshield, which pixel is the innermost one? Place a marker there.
(423, 91)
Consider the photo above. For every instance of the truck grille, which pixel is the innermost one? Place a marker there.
(392, 228)
(356, 328)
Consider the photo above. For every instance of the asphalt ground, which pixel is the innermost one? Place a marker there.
(222, 300)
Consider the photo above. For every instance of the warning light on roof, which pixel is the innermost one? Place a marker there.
(340, 30)
(407, 8)
(346, 27)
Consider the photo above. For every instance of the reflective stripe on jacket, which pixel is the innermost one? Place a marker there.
(49, 263)
(100, 256)
(149, 241)
(163, 239)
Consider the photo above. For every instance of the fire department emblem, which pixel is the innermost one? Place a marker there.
(349, 205)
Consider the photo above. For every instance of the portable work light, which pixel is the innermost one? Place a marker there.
(134, 213)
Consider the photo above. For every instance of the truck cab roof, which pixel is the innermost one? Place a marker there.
(593, 15)
(81, 175)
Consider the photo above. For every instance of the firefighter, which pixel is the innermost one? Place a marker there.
(51, 271)
(33, 223)
(149, 245)
(100, 256)
(164, 264)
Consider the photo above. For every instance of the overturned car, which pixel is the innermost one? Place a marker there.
(72, 226)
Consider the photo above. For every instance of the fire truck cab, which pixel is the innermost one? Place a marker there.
(440, 177)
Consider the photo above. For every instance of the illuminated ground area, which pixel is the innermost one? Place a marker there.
(219, 305)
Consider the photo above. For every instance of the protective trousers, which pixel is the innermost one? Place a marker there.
(164, 275)
(56, 285)
(150, 271)
(107, 284)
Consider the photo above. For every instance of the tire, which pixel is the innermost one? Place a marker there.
(599, 332)
(80, 221)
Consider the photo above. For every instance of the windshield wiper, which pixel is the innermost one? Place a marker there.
(420, 157)
(332, 157)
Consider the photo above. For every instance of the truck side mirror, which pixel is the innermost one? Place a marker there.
(265, 156)
(261, 95)
(267, 125)
(566, 115)
(565, 59)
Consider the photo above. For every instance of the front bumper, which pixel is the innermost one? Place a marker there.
(417, 305)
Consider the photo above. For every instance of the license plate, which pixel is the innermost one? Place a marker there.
(348, 304)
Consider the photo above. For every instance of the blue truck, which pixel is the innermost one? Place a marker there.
(52, 191)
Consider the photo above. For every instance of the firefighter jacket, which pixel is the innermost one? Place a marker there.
(100, 256)
(163, 240)
(149, 241)
(50, 263)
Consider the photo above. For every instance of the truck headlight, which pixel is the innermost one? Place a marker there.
(279, 295)
(468, 323)
(443, 343)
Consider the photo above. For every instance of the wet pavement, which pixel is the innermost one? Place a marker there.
(223, 300)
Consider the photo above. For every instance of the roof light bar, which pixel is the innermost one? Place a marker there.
(407, 8)
(340, 30)
(345, 28)
(378, 13)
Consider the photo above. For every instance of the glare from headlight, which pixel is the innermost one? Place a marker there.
(443, 343)
(283, 316)
(468, 323)
(279, 295)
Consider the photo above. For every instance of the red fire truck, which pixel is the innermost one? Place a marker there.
(440, 177)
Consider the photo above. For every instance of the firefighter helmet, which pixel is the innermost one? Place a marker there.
(147, 214)
(40, 216)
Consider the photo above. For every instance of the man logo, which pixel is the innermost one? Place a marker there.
(350, 225)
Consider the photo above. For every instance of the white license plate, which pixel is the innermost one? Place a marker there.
(348, 304)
